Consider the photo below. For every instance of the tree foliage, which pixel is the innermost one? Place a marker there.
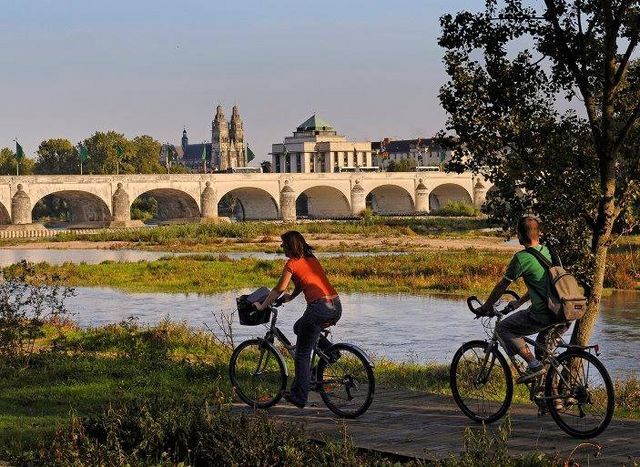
(543, 100)
(57, 156)
(401, 165)
(8, 163)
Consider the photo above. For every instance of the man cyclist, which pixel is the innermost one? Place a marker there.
(537, 318)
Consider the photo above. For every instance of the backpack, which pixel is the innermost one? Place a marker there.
(566, 298)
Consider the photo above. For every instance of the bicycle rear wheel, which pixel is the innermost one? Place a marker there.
(257, 372)
(481, 382)
(346, 385)
(583, 386)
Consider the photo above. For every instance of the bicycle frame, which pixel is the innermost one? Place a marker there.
(548, 358)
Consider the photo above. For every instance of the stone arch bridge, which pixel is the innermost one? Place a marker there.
(105, 200)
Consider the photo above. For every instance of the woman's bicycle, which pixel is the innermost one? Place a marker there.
(341, 373)
(576, 389)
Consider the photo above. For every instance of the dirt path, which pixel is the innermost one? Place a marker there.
(324, 242)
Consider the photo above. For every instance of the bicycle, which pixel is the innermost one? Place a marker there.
(342, 373)
(576, 390)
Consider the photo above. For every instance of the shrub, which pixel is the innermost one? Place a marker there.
(28, 299)
(457, 208)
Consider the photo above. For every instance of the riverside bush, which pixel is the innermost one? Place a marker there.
(457, 208)
(28, 298)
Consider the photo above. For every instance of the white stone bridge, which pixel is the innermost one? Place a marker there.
(105, 200)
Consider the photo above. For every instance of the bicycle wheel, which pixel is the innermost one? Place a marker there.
(483, 391)
(584, 386)
(347, 385)
(257, 373)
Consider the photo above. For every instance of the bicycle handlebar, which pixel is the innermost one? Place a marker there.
(476, 309)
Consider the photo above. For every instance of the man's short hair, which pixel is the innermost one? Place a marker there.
(529, 229)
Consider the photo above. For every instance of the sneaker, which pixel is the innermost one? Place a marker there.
(293, 400)
(531, 373)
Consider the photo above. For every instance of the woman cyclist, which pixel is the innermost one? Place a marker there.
(323, 307)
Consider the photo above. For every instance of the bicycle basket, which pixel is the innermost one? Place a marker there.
(248, 315)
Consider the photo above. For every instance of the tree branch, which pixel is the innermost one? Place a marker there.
(626, 128)
(625, 59)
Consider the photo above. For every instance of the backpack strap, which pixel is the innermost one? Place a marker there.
(540, 257)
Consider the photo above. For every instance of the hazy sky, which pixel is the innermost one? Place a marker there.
(69, 68)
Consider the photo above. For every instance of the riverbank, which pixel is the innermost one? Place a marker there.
(464, 272)
(80, 373)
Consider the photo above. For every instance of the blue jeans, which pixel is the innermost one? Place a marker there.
(308, 328)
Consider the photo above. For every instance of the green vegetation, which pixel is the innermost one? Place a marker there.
(452, 272)
(143, 391)
(458, 208)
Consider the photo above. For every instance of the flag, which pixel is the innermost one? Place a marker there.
(84, 153)
(119, 151)
(285, 153)
(250, 155)
(204, 152)
(19, 152)
(169, 150)
(443, 155)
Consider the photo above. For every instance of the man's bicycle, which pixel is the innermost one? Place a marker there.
(341, 373)
(576, 389)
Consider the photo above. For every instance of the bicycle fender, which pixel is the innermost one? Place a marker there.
(266, 343)
(355, 348)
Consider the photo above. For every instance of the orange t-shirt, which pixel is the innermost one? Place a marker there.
(308, 275)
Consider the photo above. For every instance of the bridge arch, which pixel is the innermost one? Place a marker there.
(76, 208)
(167, 205)
(323, 202)
(248, 203)
(448, 192)
(390, 199)
(5, 217)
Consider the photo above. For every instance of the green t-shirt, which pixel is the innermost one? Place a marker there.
(525, 265)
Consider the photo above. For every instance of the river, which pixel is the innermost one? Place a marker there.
(396, 326)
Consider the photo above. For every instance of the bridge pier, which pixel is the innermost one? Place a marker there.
(479, 194)
(287, 203)
(358, 199)
(422, 198)
(209, 203)
(21, 212)
(121, 209)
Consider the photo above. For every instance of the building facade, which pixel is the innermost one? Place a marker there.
(226, 150)
(419, 151)
(316, 147)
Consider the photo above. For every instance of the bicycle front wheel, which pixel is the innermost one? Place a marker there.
(481, 382)
(346, 385)
(257, 372)
(580, 394)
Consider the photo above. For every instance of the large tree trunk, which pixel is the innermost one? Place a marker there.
(584, 327)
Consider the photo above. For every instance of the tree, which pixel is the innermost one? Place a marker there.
(8, 163)
(145, 155)
(578, 168)
(57, 156)
(266, 166)
(103, 156)
(402, 165)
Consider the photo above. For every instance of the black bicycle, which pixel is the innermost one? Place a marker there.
(342, 373)
(576, 389)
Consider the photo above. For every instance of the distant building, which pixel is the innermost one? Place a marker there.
(422, 151)
(226, 149)
(316, 147)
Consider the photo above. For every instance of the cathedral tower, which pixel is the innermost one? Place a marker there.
(227, 140)
(236, 134)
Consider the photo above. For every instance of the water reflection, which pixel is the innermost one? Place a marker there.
(399, 327)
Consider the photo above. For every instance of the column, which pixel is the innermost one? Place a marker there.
(120, 205)
(287, 203)
(479, 194)
(358, 199)
(422, 198)
(20, 207)
(209, 203)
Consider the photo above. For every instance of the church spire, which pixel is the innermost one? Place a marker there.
(185, 140)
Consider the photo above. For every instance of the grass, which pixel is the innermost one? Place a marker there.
(83, 372)
(443, 272)
(222, 232)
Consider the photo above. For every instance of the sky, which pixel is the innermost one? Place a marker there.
(69, 68)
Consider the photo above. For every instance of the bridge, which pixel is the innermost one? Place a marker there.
(105, 200)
